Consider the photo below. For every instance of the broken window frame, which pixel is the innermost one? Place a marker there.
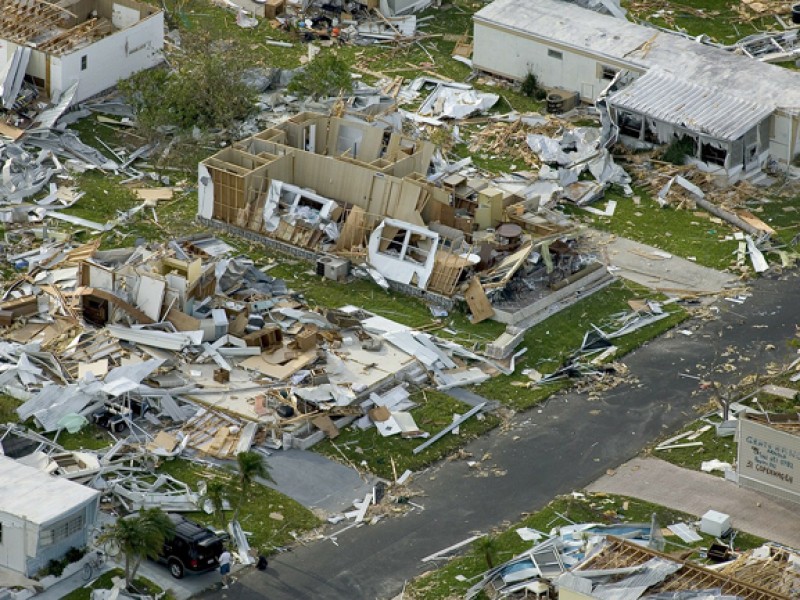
(711, 154)
(626, 121)
(407, 245)
(606, 72)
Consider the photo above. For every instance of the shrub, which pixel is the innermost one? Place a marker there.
(54, 567)
(678, 150)
(204, 87)
(74, 554)
(326, 75)
(530, 85)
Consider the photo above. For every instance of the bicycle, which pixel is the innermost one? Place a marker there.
(93, 564)
(99, 540)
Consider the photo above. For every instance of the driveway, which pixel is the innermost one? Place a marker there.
(695, 492)
(550, 450)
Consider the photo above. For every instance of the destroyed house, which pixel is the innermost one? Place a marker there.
(343, 191)
(74, 47)
(41, 516)
(623, 569)
(325, 185)
(733, 112)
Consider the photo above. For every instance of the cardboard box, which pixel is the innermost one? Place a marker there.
(273, 8)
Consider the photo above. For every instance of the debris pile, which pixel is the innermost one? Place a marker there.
(448, 235)
(203, 346)
(610, 560)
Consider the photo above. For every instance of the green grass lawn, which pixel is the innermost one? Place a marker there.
(591, 508)
(8, 409)
(434, 413)
(90, 437)
(267, 533)
(725, 448)
(677, 231)
(551, 342)
(714, 447)
(106, 198)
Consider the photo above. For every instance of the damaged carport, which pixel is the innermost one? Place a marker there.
(725, 131)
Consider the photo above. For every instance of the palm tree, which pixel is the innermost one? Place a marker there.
(140, 536)
(486, 547)
(251, 466)
(218, 494)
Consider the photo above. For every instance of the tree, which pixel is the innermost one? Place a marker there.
(251, 466)
(218, 493)
(140, 536)
(487, 548)
(203, 87)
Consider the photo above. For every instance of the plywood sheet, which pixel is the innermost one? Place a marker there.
(182, 321)
(154, 194)
(150, 296)
(478, 302)
(325, 424)
(353, 232)
(279, 371)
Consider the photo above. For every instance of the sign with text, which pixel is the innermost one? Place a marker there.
(769, 457)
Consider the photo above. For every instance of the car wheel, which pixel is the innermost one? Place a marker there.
(176, 568)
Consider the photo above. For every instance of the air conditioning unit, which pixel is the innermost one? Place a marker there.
(333, 268)
(561, 101)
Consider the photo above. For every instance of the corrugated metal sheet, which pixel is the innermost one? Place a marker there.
(679, 102)
(615, 592)
(653, 572)
(570, 581)
(568, 25)
(54, 402)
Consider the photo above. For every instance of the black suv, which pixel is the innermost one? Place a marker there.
(192, 549)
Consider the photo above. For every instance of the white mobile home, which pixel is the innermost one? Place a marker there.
(41, 516)
(94, 43)
(736, 110)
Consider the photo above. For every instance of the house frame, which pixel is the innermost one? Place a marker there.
(91, 43)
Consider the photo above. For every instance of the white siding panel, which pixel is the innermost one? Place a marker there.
(111, 59)
(12, 548)
(510, 54)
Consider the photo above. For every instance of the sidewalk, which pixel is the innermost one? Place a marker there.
(695, 493)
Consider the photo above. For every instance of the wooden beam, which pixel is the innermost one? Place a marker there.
(68, 37)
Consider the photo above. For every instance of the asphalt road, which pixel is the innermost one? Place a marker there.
(550, 450)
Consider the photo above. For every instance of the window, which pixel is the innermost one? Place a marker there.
(608, 73)
(61, 531)
(630, 125)
(1, 533)
(712, 154)
(83, 63)
(555, 54)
